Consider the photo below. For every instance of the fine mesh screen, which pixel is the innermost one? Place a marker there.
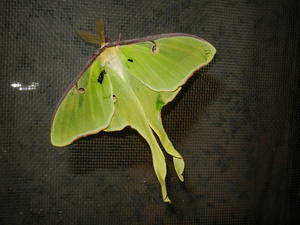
(235, 122)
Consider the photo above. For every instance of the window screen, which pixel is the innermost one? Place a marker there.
(236, 122)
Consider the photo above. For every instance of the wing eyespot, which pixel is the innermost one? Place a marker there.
(114, 99)
(154, 48)
(81, 90)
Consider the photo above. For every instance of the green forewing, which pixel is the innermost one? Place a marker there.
(80, 114)
(168, 62)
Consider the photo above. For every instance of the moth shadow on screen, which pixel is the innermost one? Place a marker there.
(190, 104)
(127, 149)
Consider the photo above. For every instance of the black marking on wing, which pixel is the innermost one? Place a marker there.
(101, 76)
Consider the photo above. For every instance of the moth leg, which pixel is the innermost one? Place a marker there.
(119, 38)
(107, 39)
(91, 56)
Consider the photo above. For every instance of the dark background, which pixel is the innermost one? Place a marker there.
(235, 122)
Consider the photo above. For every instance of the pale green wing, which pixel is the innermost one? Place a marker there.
(166, 63)
(140, 77)
(132, 100)
(86, 109)
(138, 106)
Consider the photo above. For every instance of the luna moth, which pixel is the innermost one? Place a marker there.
(127, 83)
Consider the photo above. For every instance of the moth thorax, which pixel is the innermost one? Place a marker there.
(110, 57)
